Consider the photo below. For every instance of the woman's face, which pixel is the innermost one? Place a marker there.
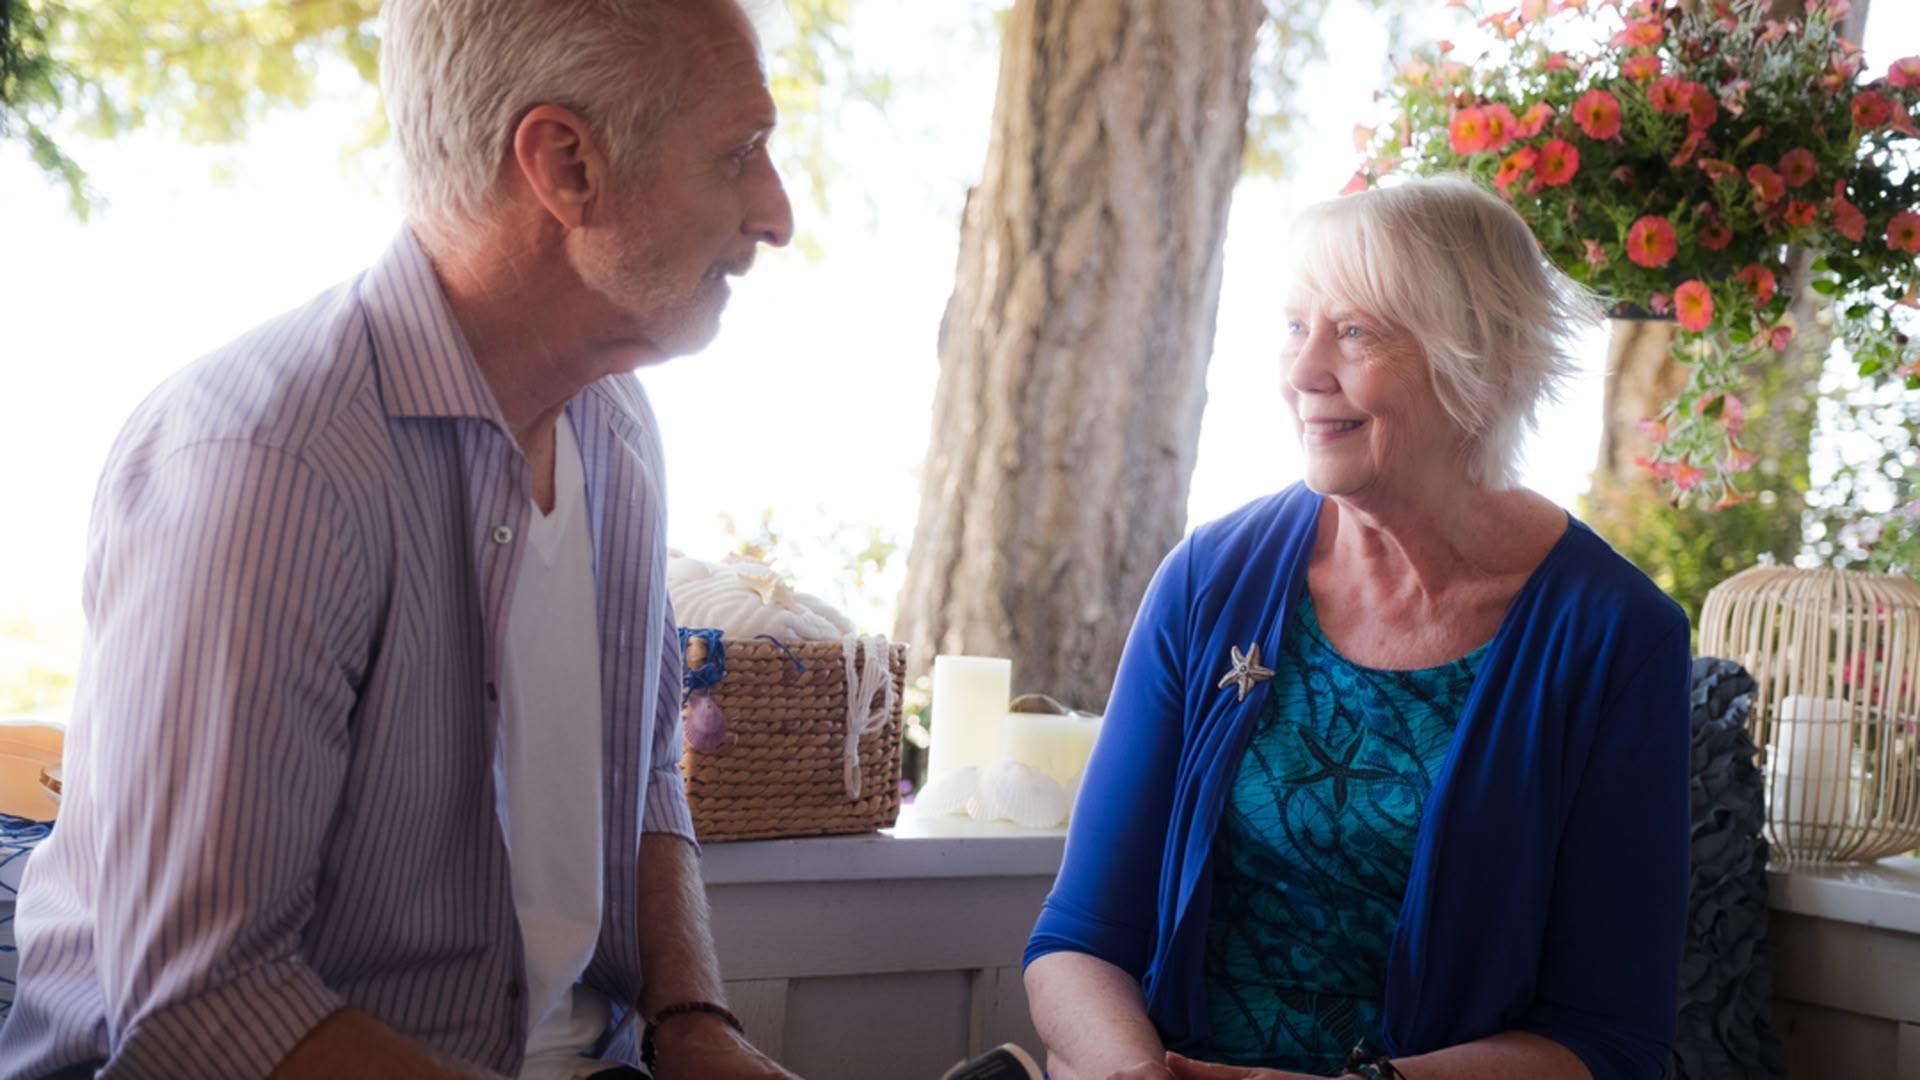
(1363, 403)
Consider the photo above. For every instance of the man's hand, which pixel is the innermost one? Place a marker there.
(1185, 1068)
(1145, 1070)
(702, 1047)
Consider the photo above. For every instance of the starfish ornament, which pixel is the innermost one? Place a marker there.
(1246, 670)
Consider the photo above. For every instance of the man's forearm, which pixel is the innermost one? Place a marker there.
(677, 961)
(1512, 1055)
(353, 1043)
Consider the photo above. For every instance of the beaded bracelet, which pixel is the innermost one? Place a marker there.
(647, 1051)
(1378, 1067)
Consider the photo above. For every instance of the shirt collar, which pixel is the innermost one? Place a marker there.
(425, 365)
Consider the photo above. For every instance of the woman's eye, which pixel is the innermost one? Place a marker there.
(1353, 333)
(1295, 326)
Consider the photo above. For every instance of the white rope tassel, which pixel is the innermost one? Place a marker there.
(869, 656)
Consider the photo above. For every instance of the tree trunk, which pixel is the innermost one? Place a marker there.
(1641, 378)
(1074, 349)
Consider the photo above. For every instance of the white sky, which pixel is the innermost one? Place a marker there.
(816, 399)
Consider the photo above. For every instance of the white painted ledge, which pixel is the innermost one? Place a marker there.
(1884, 895)
(915, 848)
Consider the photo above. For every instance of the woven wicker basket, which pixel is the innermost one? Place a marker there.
(782, 771)
(1843, 777)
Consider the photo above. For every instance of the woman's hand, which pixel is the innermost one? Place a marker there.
(1185, 1068)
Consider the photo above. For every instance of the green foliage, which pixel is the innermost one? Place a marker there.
(31, 84)
(1290, 44)
(209, 71)
(814, 75)
(1688, 549)
(36, 666)
(206, 71)
(1864, 511)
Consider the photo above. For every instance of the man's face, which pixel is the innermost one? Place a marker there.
(703, 198)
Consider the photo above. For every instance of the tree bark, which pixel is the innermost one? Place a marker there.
(1074, 348)
(1641, 378)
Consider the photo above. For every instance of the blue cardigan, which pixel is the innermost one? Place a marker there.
(1548, 889)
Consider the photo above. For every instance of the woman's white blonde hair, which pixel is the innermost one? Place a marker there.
(1455, 267)
(458, 75)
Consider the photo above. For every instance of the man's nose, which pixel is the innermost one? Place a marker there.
(770, 217)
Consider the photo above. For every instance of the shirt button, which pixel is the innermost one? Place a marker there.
(493, 692)
(513, 990)
(503, 534)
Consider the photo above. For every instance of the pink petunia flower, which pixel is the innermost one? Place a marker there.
(1798, 167)
(1668, 94)
(1769, 187)
(1557, 164)
(1598, 114)
(1534, 120)
(1759, 281)
(1641, 67)
(1870, 110)
(1903, 232)
(1693, 305)
(1469, 133)
(1651, 242)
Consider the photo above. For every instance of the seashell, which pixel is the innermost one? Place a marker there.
(1018, 792)
(747, 599)
(1038, 703)
(682, 570)
(705, 727)
(948, 793)
(826, 611)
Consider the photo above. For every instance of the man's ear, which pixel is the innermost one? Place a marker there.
(559, 162)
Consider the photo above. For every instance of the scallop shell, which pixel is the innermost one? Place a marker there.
(1019, 793)
(826, 611)
(682, 570)
(705, 726)
(948, 793)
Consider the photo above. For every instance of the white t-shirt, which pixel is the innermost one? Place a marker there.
(547, 772)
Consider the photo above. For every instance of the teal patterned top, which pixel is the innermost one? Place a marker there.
(1311, 858)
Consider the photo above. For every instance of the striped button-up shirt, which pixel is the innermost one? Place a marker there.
(279, 788)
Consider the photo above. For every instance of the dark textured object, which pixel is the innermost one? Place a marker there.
(1726, 986)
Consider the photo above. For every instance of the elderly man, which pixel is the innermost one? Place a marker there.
(374, 768)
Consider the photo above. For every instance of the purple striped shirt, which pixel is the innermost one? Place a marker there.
(279, 795)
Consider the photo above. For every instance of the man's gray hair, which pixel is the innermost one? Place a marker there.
(1454, 266)
(458, 75)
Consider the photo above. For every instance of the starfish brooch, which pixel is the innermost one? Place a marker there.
(1246, 670)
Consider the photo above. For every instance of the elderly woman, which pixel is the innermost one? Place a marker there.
(1394, 775)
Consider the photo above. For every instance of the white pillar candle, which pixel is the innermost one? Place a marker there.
(1810, 770)
(1056, 745)
(970, 695)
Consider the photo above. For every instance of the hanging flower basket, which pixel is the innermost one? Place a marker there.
(1669, 157)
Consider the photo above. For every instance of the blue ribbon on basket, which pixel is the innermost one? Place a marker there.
(714, 671)
(707, 675)
(782, 646)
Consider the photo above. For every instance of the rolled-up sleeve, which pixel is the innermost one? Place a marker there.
(1105, 901)
(228, 611)
(1610, 969)
(666, 809)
